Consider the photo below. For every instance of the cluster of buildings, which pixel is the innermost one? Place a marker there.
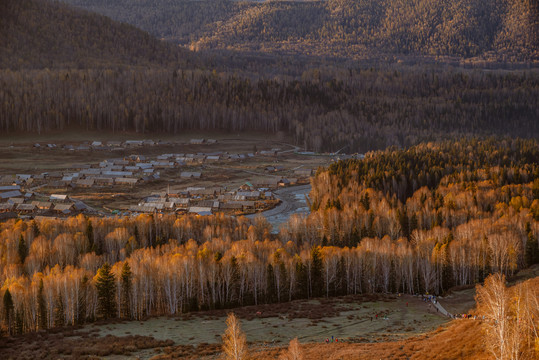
(100, 145)
(136, 169)
(249, 198)
(13, 203)
(127, 172)
(114, 144)
(205, 201)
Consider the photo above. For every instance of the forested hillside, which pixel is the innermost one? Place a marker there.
(358, 109)
(499, 30)
(42, 33)
(455, 213)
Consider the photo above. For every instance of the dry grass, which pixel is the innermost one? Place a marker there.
(461, 339)
(72, 344)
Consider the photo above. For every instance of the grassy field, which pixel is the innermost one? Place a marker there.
(353, 320)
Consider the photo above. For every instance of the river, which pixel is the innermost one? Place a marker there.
(292, 202)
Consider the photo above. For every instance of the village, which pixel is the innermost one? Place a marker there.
(140, 181)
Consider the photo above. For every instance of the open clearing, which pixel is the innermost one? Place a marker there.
(346, 318)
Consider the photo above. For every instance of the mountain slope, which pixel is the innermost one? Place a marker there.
(503, 30)
(40, 33)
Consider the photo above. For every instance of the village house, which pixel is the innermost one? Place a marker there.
(104, 181)
(10, 194)
(248, 195)
(7, 179)
(303, 172)
(245, 205)
(4, 207)
(190, 174)
(42, 205)
(25, 208)
(114, 143)
(212, 158)
(16, 201)
(23, 177)
(126, 181)
(133, 143)
(85, 183)
(268, 183)
(59, 198)
(64, 208)
(200, 210)
(9, 188)
(231, 206)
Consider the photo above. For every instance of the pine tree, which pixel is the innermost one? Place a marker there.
(41, 307)
(270, 285)
(90, 235)
(8, 310)
(126, 290)
(234, 341)
(532, 250)
(59, 312)
(235, 282)
(283, 280)
(317, 267)
(22, 250)
(106, 292)
(19, 322)
(302, 280)
(35, 229)
(81, 307)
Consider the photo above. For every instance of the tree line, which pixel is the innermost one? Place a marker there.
(357, 109)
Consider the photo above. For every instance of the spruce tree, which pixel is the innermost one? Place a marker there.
(532, 251)
(19, 322)
(41, 307)
(126, 290)
(35, 229)
(283, 280)
(90, 235)
(302, 280)
(22, 250)
(81, 306)
(317, 280)
(106, 292)
(8, 310)
(271, 294)
(59, 312)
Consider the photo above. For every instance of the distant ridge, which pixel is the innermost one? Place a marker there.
(496, 30)
(46, 34)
